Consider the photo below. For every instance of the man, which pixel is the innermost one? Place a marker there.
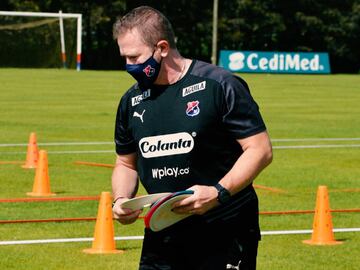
(187, 124)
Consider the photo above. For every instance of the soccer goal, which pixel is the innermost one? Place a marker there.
(49, 19)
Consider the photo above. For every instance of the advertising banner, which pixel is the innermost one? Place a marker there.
(275, 62)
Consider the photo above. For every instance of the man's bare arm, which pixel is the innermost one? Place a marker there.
(124, 186)
(256, 156)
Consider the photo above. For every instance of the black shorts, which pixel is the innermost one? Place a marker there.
(195, 244)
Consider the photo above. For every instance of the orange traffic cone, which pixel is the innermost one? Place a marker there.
(32, 153)
(322, 226)
(104, 241)
(41, 185)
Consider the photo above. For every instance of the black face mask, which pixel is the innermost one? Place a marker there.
(146, 73)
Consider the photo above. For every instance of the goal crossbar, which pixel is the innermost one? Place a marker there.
(60, 15)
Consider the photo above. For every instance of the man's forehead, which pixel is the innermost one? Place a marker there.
(131, 42)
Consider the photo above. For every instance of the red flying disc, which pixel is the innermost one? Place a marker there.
(161, 216)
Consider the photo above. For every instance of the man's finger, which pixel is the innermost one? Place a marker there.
(184, 202)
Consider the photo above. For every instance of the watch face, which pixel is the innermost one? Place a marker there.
(223, 194)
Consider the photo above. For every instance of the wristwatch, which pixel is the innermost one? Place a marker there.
(223, 194)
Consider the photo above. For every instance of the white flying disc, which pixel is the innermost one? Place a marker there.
(161, 216)
(143, 201)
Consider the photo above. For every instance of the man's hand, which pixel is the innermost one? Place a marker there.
(125, 215)
(203, 199)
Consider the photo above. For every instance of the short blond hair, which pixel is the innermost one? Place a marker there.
(152, 25)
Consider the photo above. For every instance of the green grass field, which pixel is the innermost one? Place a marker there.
(76, 107)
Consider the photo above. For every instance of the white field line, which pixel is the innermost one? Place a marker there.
(315, 140)
(110, 143)
(314, 146)
(307, 231)
(274, 147)
(123, 238)
(64, 240)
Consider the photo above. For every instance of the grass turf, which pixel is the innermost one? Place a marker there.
(69, 106)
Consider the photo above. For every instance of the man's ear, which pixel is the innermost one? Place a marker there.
(164, 47)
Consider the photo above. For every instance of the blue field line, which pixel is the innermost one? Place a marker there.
(140, 237)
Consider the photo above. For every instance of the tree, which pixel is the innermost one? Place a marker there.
(192, 23)
(304, 25)
(268, 25)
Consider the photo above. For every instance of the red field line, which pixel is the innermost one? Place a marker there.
(345, 190)
(12, 162)
(79, 198)
(345, 210)
(269, 188)
(94, 164)
(46, 220)
(290, 212)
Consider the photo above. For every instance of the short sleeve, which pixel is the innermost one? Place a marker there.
(241, 115)
(124, 141)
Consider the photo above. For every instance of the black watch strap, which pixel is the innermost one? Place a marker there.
(223, 194)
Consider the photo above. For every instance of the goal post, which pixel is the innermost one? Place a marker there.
(61, 16)
(62, 40)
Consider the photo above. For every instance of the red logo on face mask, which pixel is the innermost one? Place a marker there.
(149, 71)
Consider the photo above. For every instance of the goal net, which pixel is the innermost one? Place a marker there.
(44, 40)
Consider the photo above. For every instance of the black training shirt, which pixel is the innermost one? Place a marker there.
(185, 133)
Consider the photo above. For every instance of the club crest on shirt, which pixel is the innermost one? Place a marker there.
(193, 108)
